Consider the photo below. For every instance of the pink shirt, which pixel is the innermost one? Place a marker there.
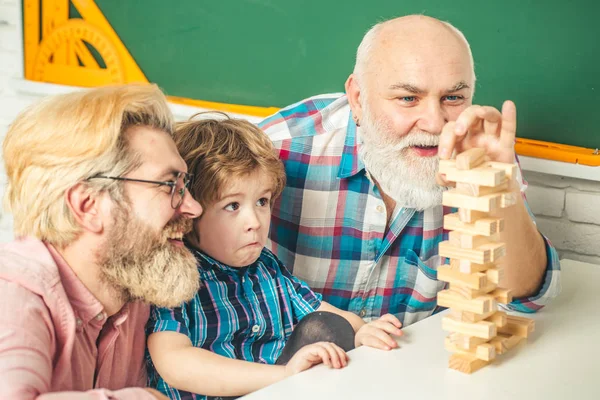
(54, 334)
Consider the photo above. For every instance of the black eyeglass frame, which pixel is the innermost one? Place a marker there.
(187, 178)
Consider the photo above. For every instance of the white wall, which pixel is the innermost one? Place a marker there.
(11, 65)
(567, 209)
(568, 212)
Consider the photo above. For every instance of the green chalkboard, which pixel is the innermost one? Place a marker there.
(543, 54)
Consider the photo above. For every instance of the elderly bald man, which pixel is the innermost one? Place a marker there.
(361, 218)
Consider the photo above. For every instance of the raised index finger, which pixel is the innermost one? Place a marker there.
(509, 124)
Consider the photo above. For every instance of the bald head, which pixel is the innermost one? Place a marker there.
(414, 38)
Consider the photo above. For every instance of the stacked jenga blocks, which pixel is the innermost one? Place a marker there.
(479, 332)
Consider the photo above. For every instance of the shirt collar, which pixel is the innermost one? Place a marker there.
(351, 162)
(207, 262)
(85, 304)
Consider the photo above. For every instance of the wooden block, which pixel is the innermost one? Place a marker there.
(472, 293)
(487, 203)
(447, 165)
(454, 238)
(481, 329)
(479, 305)
(480, 176)
(518, 326)
(466, 363)
(495, 275)
(470, 216)
(503, 296)
(524, 321)
(467, 316)
(446, 249)
(510, 170)
(471, 158)
(508, 199)
(511, 340)
(469, 267)
(454, 198)
(503, 342)
(483, 226)
(465, 342)
(497, 250)
(498, 318)
(468, 241)
(478, 190)
(499, 343)
(454, 348)
(486, 352)
(447, 274)
(481, 255)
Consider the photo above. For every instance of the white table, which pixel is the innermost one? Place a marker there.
(561, 360)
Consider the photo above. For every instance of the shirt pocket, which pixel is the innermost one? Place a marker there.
(271, 310)
(422, 276)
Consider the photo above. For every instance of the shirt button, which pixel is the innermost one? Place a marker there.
(100, 317)
(362, 313)
(79, 322)
(255, 328)
(379, 209)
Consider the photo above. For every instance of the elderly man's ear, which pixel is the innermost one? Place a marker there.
(353, 93)
(88, 208)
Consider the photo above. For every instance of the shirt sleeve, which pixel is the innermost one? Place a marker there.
(304, 300)
(27, 349)
(550, 286)
(168, 320)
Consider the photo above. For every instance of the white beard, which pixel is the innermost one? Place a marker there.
(408, 179)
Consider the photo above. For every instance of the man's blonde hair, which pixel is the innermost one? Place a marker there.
(67, 139)
(218, 150)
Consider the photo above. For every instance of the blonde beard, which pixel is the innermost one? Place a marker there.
(408, 179)
(142, 265)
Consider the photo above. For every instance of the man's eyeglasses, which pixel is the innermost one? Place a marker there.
(178, 186)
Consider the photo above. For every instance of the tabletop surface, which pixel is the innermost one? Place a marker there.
(561, 359)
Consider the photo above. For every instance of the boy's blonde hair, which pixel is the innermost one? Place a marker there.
(218, 150)
(64, 140)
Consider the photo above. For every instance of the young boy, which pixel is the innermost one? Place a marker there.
(251, 323)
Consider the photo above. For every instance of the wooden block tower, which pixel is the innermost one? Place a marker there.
(479, 331)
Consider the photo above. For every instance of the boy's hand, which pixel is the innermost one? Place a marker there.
(377, 333)
(321, 352)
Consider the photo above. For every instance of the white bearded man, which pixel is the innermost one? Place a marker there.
(361, 218)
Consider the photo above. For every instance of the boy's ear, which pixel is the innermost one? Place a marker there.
(85, 206)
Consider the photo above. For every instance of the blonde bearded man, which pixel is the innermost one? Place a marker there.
(98, 194)
(360, 218)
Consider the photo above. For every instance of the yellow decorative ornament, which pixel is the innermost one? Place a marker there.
(64, 54)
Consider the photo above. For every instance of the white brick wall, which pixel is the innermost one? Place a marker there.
(567, 209)
(546, 201)
(11, 66)
(568, 213)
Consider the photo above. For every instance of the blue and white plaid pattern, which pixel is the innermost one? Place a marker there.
(328, 227)
(242, 313)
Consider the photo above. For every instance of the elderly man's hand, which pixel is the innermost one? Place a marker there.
(482, 126)
(378, 333)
